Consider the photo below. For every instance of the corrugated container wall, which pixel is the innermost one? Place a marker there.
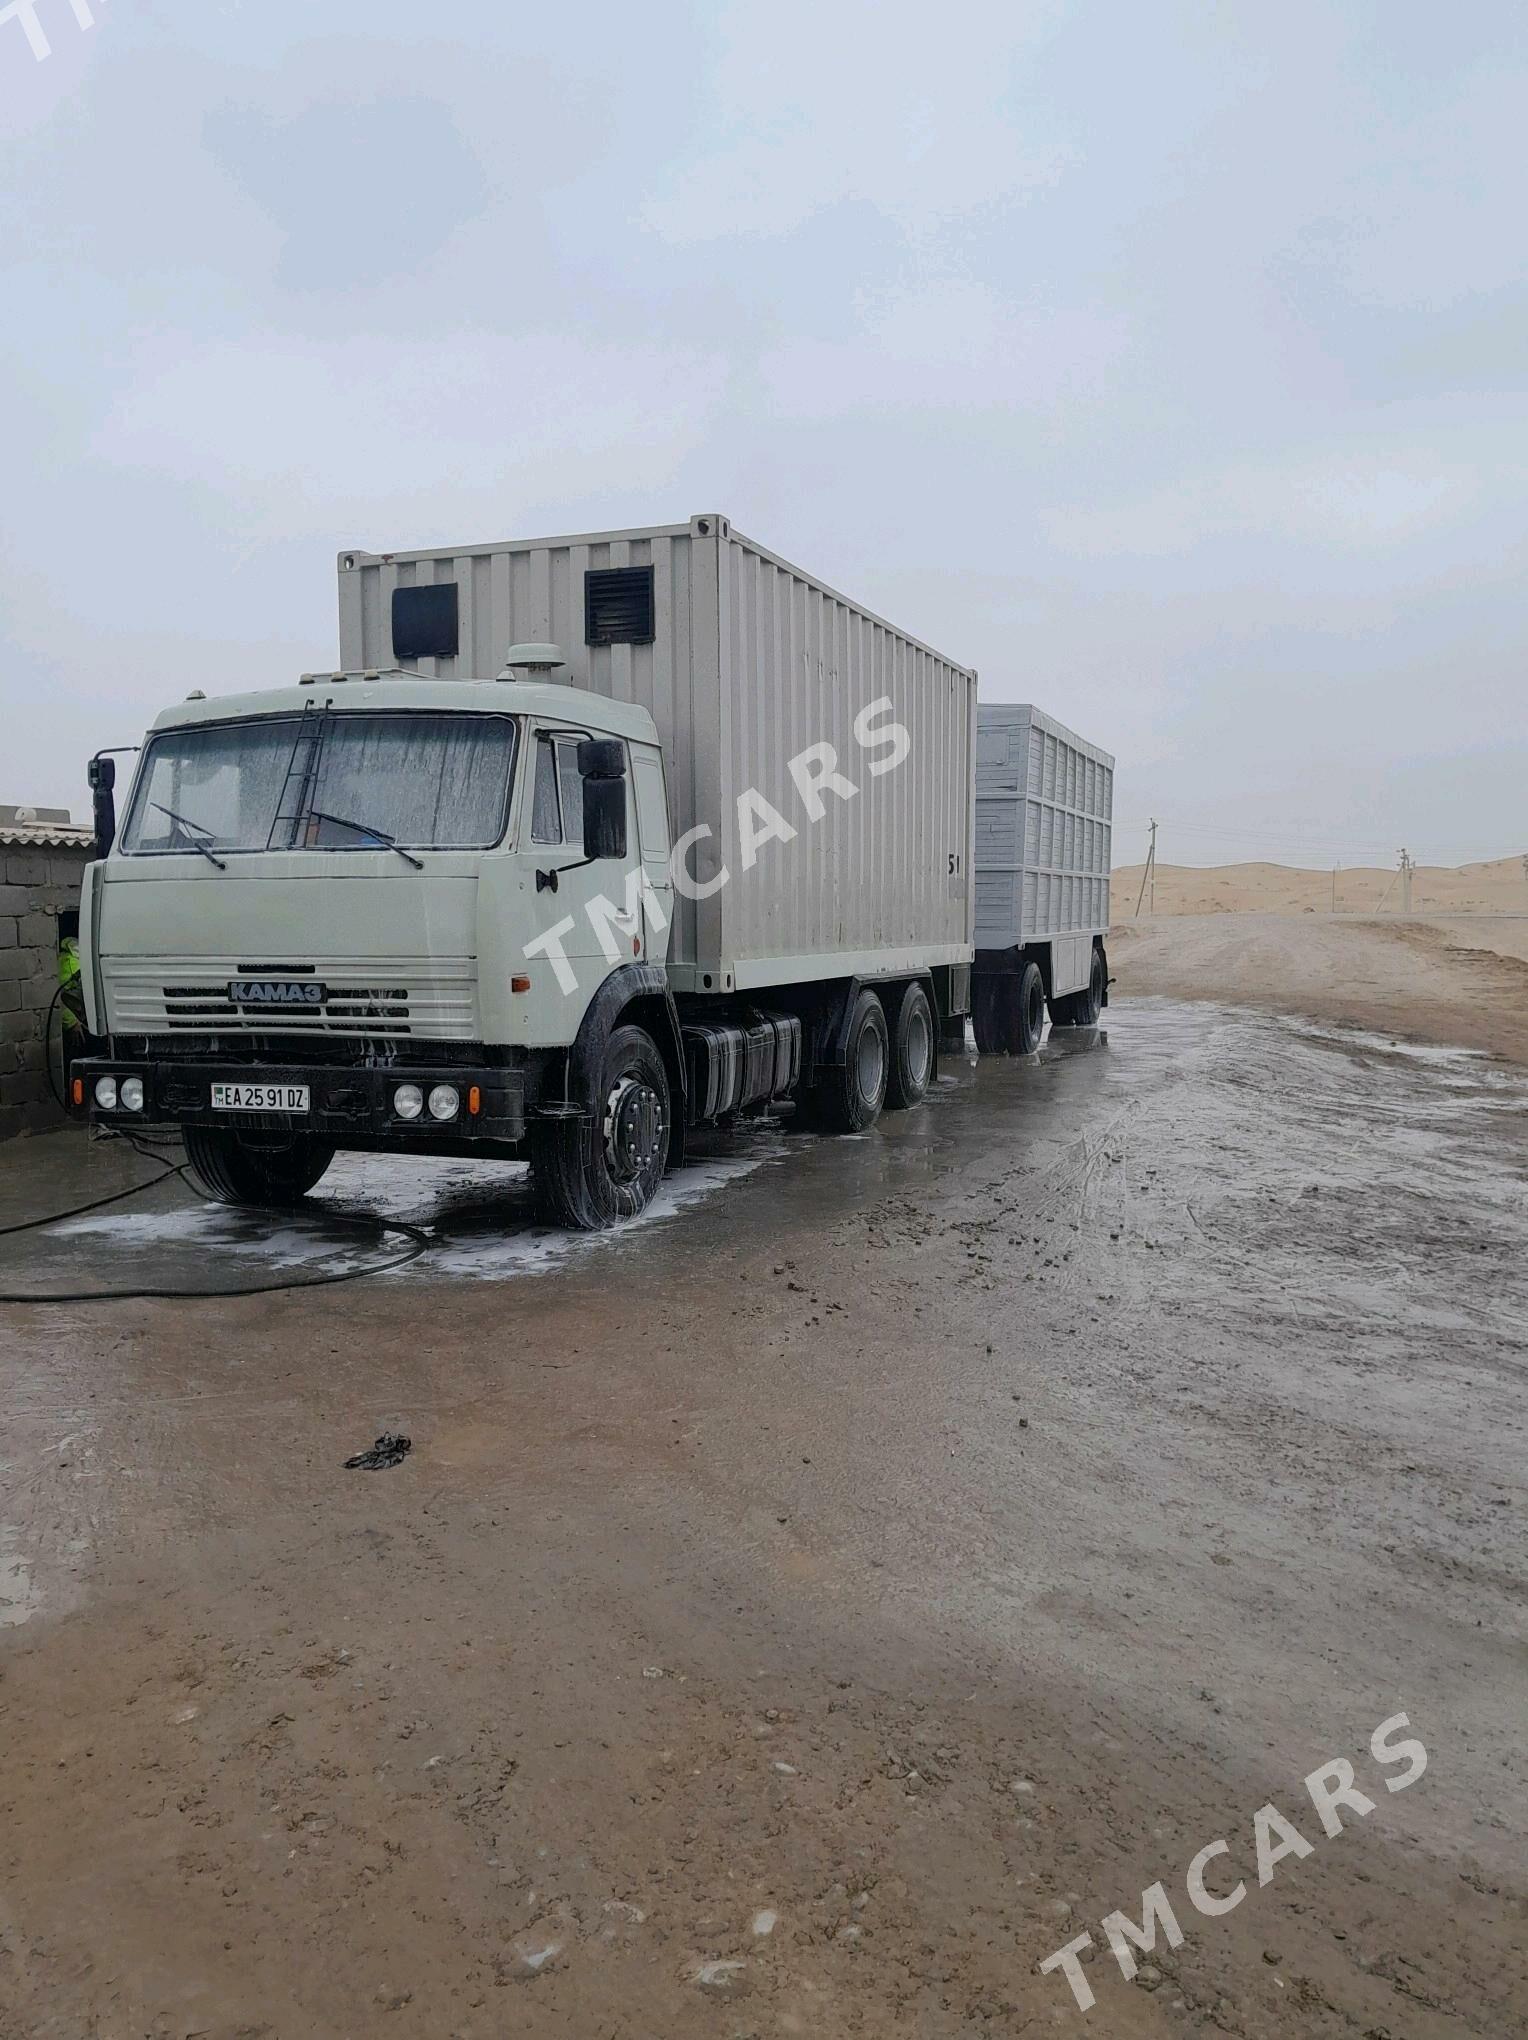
(750, 662)
(1044, 809)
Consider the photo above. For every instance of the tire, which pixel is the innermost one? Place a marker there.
(1082, 1009)
(912, 1051)
(1028, 1010)
(231, 1169)
(1009, 1010)
(848, 1100)
(592, 1173)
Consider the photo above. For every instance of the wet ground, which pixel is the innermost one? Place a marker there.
(806, 1610)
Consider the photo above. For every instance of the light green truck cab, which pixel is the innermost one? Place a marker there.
(394, 866)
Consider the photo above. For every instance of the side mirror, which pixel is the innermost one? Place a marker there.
(102, 776)
(602, 768)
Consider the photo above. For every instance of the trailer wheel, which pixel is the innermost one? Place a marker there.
(1082, 1009)
(1008, 1006)
(848, 1100)
(1028, 1010)
(912, 1052)
(591, 1173)
(232, 1170)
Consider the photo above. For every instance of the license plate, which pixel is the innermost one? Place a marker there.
(260, 1098)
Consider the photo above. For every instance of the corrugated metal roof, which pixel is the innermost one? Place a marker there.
(45, 836)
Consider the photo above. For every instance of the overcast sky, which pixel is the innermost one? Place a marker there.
(1167, 362)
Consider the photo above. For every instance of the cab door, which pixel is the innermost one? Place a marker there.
(651, 801)
(573, 903)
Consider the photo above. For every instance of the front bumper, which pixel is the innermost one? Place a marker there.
(342, 1101)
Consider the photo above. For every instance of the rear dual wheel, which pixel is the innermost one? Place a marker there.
(888, 1064)
(912, 1050)
(847, 1099)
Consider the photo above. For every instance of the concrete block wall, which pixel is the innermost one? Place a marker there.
(37, 884)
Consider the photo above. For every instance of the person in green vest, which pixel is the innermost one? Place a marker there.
(71, 996)
(73, 1036)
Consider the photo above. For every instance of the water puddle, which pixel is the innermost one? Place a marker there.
(1452, 1065)
(480, 1219)
(491, 1237)
(198, 1249)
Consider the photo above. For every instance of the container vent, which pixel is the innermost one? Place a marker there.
(425, 622)
(618, 606)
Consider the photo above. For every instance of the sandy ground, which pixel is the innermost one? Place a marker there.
(1445, 979)
(1500, 887)
(912, 1546)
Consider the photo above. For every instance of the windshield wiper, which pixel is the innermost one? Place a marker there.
(182, 822)
(365, 829)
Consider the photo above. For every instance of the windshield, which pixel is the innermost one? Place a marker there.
(324, 781)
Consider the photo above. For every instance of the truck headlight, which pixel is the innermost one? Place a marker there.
(131, 1094)
(106, 1093)
(444, 1102)
(408, 1101)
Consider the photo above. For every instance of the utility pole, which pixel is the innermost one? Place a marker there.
(1335, 869)
(1151, 873)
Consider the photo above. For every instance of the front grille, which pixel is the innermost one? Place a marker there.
(186, 998)
(362, 1009)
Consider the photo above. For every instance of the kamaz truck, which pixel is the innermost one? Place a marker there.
(586, 843)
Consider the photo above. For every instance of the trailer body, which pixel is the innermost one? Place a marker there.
(1044, 816)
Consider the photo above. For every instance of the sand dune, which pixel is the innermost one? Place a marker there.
(1500, 887)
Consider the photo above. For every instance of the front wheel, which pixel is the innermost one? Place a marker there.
(234, 1168)
(591, 1173)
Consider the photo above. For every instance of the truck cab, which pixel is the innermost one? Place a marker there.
(376, 911)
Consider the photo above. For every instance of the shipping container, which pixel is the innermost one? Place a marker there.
(745, 663)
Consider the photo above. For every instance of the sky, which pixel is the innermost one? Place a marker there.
(1168, 364)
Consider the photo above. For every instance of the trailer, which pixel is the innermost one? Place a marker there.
(1044, 814)
(587, 842)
